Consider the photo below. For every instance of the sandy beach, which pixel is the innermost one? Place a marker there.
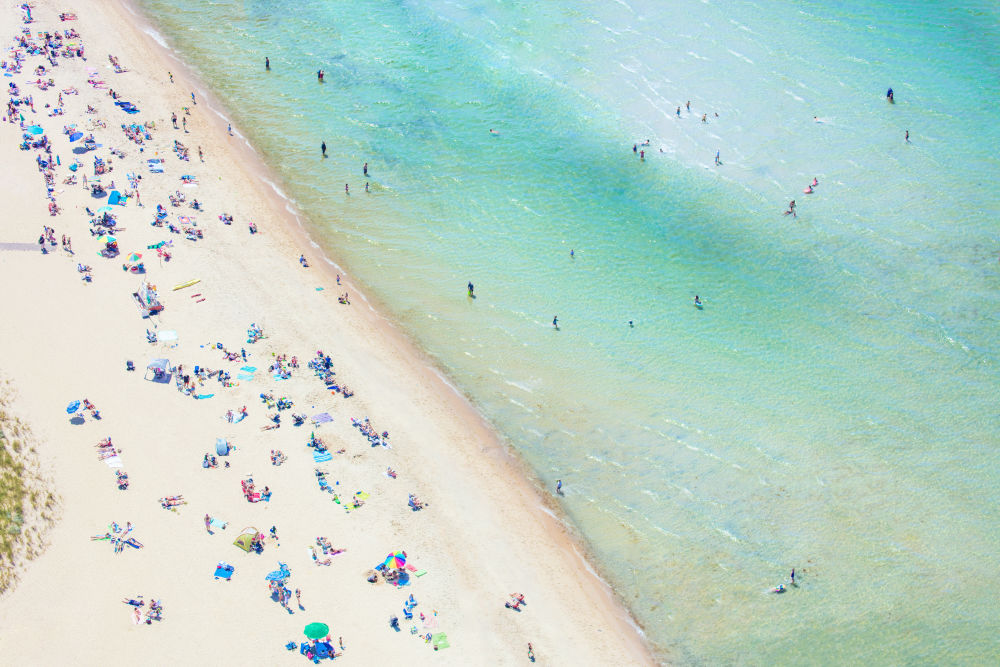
(485, 531)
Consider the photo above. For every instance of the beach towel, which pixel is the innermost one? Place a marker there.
(419, 573)
(246, 377)
(155, 166)
(222, 573)
(248, 369)
(113, 462)
(322, 418)
(204, 395)
(320, 457)
(216, 523)
(440, 641)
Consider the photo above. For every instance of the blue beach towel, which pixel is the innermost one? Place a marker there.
(320, 457)
(249, 369)
(246, 377)
(222, 573)
(204, 395)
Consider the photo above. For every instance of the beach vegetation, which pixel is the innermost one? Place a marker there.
(27, 504)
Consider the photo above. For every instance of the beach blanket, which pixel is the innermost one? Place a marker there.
(320, 457)
(223, 573)
(322, 418)
(113, 462)
(155, 166)
(217, 523)
(440, 641)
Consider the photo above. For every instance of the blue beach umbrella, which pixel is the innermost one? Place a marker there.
(75, 136)
(72, 407)
(277, 575)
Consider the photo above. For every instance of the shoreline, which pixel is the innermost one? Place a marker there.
(360, 332)
(295, 226)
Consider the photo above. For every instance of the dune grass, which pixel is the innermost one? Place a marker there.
(27, 504)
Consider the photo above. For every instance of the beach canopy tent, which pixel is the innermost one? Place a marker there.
(221, 446)
(245, 539)
(160, 369)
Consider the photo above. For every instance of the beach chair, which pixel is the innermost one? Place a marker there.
(407, 613)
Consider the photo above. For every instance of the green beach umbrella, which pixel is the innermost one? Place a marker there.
(316, 630)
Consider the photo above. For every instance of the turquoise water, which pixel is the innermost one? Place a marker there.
(832, 408)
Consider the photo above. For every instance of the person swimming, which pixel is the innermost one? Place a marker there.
(697, 302)
(889, 96)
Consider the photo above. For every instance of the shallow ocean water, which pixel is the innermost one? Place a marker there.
(832, 408)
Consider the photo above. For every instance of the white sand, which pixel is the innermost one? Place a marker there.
(485, 534)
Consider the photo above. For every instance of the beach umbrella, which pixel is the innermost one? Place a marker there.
(72, 407)
(134, 257)
(105, 209)
(396, 559)
(104, 238)
(277, 575)
(316, 630)
(34, 129)
(75, 136)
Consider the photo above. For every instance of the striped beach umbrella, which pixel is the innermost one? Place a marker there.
(396, 559)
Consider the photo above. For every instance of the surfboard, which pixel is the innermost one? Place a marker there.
(187, 284)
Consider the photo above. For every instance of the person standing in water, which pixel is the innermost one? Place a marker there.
(319, 75)
(347, 189)
(889, 96)
(322, 147)
(572, 255)
(559, 486)
(717, 160)
(267, 63)
(364, 170)
(472, 290)
(907, 136)
(555, 322)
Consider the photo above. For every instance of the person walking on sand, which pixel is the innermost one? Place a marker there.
(208, 524)
(322, 147)
(201, 156)
(229, 128)
(298, 598)
(531, 652)
(171, 75)
(193, 101)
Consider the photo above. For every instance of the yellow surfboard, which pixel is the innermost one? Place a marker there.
(187, 284)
